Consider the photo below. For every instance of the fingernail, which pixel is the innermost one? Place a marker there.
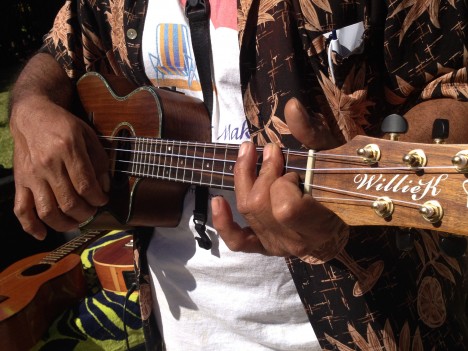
(105, 182)
(39, 236)
(215, 205)
(243, 149)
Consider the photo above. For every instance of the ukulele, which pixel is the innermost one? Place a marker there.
(114, 265)
(36, 289)
(367, 181)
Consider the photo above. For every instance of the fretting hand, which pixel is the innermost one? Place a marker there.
(282, 219)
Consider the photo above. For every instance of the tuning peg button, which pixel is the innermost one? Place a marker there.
(440, 130)
(394, 124)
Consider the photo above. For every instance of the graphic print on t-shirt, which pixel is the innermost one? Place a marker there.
(169, 61)
(173, 62)
(171, 55)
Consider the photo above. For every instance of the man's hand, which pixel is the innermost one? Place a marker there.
(282, 220)
(60, 168)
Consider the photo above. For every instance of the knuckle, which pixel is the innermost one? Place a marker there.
(285, 212)
(20, 209)
(84, 187)
(68, 205)
(44, 212)
(42, 161)
(243, 207)
(257, 203)
(251, 206)
(65, 142)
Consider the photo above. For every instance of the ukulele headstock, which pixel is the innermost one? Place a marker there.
(384, 182)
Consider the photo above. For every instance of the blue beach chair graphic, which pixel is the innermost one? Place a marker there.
(174, 54)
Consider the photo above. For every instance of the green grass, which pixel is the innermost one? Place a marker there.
(7, 75)
(6, 143)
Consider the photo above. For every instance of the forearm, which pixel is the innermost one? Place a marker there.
(42, 78)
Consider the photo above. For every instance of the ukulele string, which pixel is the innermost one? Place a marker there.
(357, 195)
(171, 168)
(194, 157)
(233, 147)
(65, 249)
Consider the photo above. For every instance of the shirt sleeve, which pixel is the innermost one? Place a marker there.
(76, 42)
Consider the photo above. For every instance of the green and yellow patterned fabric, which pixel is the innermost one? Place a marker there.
(95, 323)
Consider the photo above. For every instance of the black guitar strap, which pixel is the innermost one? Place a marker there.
(198, 15)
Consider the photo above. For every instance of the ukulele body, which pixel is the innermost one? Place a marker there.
(118, 110)
(33, 294)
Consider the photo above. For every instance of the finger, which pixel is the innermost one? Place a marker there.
(70, 203)
(245, 173)
(48, 210)
(259, 198)
(24, 209)
(99, 159)
(301, 212)
(83, 175)
(272, 166)
(313, 134)
(235, 237)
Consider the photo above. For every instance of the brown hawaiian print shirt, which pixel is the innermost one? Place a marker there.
(367, 294)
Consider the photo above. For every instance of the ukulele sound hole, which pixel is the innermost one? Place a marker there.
(36, 269)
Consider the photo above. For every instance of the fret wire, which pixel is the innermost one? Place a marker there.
(159, 158)
(176, 160)
(193, 163)
(142, 168)
(148, 148)
(170, 151)
(153, 150)
(140, 158)
(143, 156)
(132, 156)
(171, 162)
(174, 169)
(185, 159)
(137, 145)
(212, 165)
(165, 162)
(224, 167)
(203, 163)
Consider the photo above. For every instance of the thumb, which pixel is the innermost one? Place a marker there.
(312, 133)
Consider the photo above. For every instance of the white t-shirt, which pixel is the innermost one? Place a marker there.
(214, 299)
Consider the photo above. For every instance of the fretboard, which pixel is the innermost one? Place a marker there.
(69, 247)
(206, 164)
